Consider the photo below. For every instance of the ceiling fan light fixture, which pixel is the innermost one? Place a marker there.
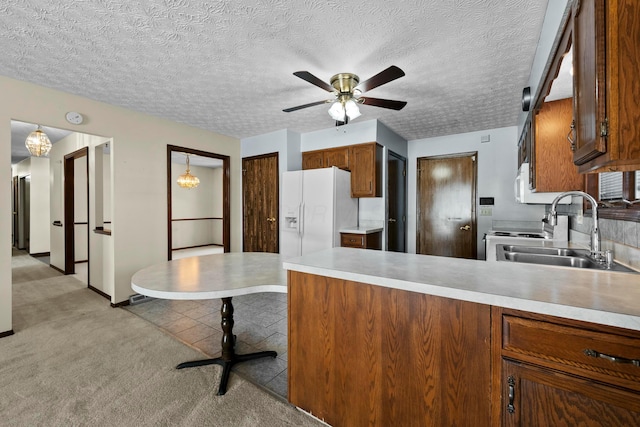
(38, 143)
(186, 180)
(352, 110)
(337, 111)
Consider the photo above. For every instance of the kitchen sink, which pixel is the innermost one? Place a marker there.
(562, 257)
(546, 251)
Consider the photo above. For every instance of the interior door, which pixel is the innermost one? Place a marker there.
(74, 186)
(396, 202)
(260, 203)
(446, 214)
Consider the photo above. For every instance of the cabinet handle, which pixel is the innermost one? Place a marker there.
(612, 359)
(570, 137)
(511, 382)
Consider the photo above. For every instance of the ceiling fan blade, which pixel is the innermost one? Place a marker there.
(381, 78)
(305, 75)
(384, 103)
(300, 107)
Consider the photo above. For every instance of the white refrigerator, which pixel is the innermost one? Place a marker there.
(316, 204)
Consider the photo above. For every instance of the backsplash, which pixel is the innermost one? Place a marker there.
(623, 237)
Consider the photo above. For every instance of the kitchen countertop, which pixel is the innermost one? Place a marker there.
(603, 297)
(361, 230)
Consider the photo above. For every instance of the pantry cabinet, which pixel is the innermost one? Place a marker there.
(561, 372)
(606, 60)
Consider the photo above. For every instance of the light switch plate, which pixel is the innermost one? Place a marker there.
(485, 211)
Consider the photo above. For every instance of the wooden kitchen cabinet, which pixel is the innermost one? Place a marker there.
(551, 373)
(366, 355)
(366, 170)
(361, 241)
(363, 160)
(312, 160)
(606, 86)
(338, 157)
(551, 165)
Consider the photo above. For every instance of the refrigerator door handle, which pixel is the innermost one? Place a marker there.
(300, 219)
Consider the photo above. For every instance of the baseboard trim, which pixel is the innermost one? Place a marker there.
(56, 268)
(99, 292)
(6, 333)
(41, 254)
(120, 304)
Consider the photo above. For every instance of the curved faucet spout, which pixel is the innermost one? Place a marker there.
(595, 230)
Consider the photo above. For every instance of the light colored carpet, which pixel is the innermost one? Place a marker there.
(75, 361)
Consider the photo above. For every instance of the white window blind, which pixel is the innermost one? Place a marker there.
(611, 185)
(637, 184)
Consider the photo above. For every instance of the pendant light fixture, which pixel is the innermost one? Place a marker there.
(38, 143)
(186, 180)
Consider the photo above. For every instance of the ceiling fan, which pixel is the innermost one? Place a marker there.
(348, 90)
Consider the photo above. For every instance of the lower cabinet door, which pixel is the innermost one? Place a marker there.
(534, 396)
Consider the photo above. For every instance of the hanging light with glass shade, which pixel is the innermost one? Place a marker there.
(186, 180)
(38, 143)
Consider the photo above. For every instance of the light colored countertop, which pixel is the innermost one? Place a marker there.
(361, 230)
(602, 297)
(212, 276)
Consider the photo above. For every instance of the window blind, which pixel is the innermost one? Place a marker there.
(611, 185)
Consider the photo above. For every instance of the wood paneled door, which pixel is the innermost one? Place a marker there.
(260, 203)
(446, 206)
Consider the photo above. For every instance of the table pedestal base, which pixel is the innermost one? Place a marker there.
(228, 357)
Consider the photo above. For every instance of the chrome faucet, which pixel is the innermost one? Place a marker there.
(595, 230)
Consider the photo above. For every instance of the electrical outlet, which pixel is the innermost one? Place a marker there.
(485, 211)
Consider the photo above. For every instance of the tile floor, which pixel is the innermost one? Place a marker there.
(260, 323)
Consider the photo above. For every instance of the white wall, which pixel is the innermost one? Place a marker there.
(38, 170)
(497, 164)
(557, 12)
(139, 177)
(204, 201)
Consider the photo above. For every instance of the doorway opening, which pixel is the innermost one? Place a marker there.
(198, 219)
(76, 213)
(396, 203)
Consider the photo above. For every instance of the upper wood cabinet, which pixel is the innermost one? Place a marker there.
(313, 159)
(366, 170)
(551, 167)
(338, 157)
(606, 100)
(363, 160)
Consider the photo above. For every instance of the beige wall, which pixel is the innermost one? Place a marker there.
(139, 160)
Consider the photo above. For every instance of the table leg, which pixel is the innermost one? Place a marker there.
(228, 358)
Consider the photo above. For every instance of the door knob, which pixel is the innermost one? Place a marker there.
(392, 220)
(271, 219)
(465, 228)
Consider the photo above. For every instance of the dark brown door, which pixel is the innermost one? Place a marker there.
(69, 208)
(260, 203)
(397, 203)
(446, 214)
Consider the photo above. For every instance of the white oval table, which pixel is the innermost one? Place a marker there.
(215, 276)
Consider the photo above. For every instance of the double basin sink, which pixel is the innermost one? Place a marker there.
(561, 257)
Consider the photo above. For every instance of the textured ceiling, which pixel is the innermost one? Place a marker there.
(227, 65)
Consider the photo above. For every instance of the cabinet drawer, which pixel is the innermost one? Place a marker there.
(609, 356)
(349, 240)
